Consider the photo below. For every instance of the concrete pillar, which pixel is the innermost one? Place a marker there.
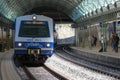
(77, 36)
(2, 39)
(7, 38)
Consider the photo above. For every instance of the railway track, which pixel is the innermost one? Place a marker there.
(62, 64)
(13, 70)
(56, 74)
(42, 73)
(31, 71)
(94, 66)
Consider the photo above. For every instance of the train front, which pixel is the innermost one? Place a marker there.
(34, 38)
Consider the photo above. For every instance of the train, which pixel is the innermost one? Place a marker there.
(34, 38)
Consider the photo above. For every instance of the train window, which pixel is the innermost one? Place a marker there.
(34, 29)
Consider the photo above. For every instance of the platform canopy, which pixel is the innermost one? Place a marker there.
(74, 9)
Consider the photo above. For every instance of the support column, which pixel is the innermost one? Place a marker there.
(77, 37)
(90, 38)
(7, 38)
(2, 39)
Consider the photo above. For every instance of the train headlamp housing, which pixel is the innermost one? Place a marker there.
(34, 17)
(19, 44)
(47, 45)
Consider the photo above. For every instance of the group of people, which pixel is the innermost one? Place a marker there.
(114, 42)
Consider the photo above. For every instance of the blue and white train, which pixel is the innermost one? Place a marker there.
(34, 38)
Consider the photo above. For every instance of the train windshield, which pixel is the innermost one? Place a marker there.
(34, 29)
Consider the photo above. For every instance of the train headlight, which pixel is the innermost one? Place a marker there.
(34, 17)
(48, 45)
(19, 44)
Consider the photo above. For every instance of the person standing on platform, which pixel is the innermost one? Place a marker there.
(102, 41)
(113, 41)
(94, 40)
(116, 42)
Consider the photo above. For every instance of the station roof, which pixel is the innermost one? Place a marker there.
(74, 9)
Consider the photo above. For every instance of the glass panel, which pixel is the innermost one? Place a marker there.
(1, 5)
(87, 6)
(111, 1)
(34, 29)
(96, 4)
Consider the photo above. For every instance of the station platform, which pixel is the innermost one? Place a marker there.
(109, 57)
(109, 52)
